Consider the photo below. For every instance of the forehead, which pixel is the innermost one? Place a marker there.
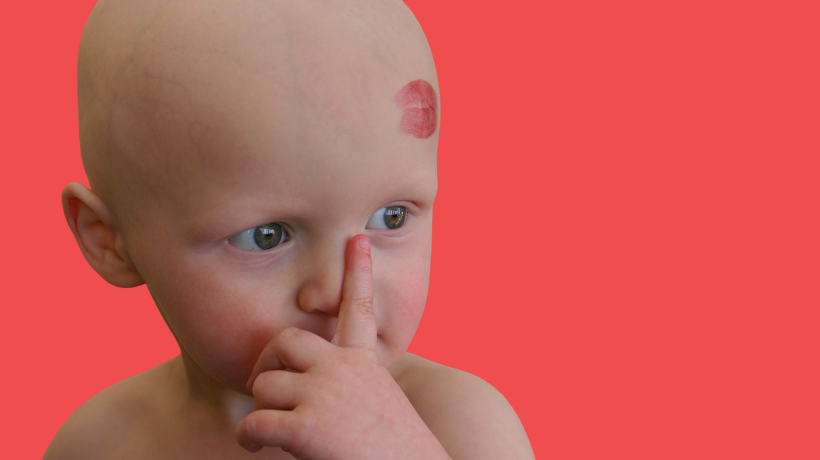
(259, 151)
(312, 168)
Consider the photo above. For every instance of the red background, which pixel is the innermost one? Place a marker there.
(625, 238)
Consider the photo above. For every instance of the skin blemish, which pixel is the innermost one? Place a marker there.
(418, 100)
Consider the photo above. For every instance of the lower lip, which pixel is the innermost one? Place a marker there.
(418, 100)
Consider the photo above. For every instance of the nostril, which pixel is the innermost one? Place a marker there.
(314, 299)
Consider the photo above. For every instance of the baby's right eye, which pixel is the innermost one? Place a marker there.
(260, 238)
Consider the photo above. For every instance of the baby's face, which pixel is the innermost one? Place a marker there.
(269, 168)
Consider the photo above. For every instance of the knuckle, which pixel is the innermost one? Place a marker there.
(371, 355)
(346, 358)
(249, 427)
(365, 266)
(286, 333)
(364, 306)
(303, 432)
(258, 384)
(262, 382)
(351, 362)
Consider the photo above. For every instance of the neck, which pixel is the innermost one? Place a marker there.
(213, 398)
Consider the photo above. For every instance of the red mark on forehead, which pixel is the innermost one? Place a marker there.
(418, 99)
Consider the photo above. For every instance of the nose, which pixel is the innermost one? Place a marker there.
(321, 289)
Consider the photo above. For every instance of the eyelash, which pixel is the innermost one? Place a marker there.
(251, 232)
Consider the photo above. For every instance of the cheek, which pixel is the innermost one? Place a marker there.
(399, 302)
(222, 321)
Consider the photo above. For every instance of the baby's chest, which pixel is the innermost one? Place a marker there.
(179, 445)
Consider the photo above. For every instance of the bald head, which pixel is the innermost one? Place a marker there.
(171, 88)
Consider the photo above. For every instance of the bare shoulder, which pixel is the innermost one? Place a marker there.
(105, 425)
(469, 416)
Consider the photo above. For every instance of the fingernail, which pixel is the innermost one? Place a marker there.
(364, 243)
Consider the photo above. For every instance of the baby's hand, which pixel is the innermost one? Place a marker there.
(340, 403)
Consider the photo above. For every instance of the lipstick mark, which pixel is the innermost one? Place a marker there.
(418, 99)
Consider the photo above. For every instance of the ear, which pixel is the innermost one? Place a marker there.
(91, 222)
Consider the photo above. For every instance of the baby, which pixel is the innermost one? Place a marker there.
(268, 169)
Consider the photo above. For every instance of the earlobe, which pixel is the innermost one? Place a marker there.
(91, 223)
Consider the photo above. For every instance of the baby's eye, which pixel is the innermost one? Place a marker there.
(389, 218)
(259, 238)
(270, 235)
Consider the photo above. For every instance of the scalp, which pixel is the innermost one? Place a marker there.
(157, 79)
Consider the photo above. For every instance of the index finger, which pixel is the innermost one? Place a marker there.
(356, 326)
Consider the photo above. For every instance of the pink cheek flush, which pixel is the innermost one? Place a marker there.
(418, 100)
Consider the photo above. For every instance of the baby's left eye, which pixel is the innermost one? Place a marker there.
(389, 218)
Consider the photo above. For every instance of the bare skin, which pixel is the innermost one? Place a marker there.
(202, 122)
